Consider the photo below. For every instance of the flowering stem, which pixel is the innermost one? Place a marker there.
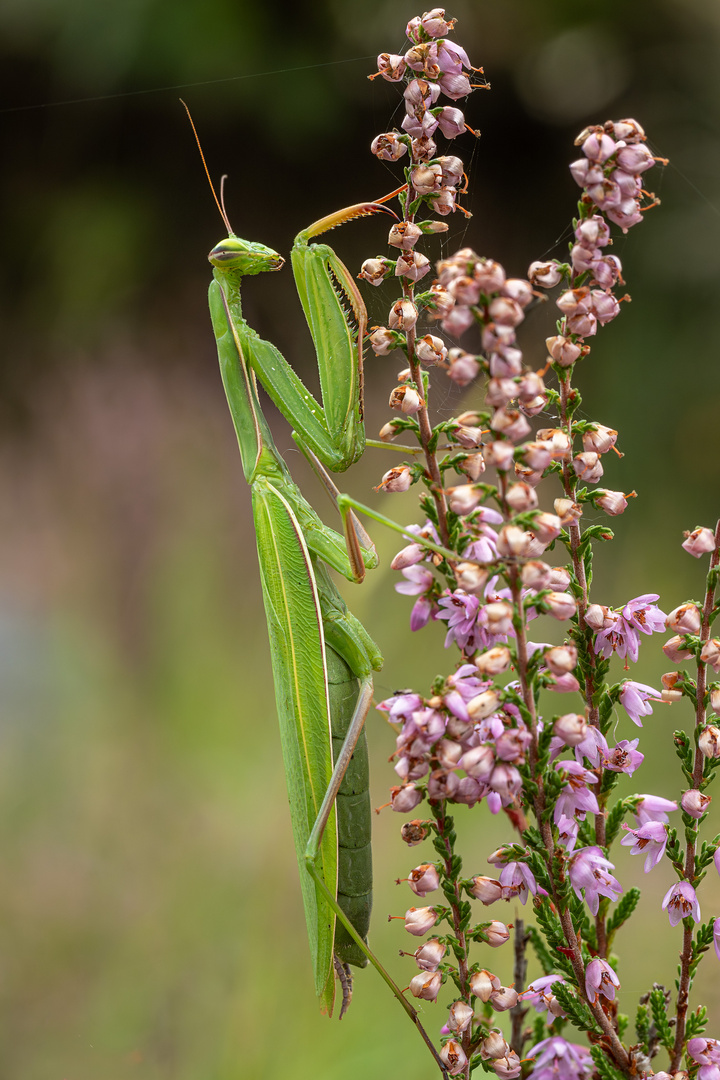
(518, 1012)
(683, 996)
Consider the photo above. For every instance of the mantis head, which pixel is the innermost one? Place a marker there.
(243, 257)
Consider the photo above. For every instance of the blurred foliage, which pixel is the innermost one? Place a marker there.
(149, 918)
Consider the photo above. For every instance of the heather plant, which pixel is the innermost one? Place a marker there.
(512, 507)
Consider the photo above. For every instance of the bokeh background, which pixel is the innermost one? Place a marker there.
(150, 923)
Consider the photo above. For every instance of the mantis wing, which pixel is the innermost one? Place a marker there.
(299, 662)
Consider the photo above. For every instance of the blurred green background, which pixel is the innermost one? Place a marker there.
(150, 924)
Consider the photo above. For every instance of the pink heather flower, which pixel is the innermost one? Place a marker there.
(575, 797)
(621, 637)
(699, 542)
(588, 871)
(707, 1054)
(716, 937)
(680, 902)
(460, 609)
(635, 699)
(650, 839)
(517, 879)
(557, 1059)
(418, 921)
(424, 879)
(539, 996)
(600, 980)
(654, 808)
(624, 757)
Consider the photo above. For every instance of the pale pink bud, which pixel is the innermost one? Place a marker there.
(505, 312)
(404, 234)
(574, 301)
(375, 270)
(562, 350)
(673, 649)
(451, 122)
(455, 85)
(430, 955)
(497, 932)
(403, 315)
(595, 616)
(460, 1016)
(710, 654)
(715, 698)
(426, 985)
(473, 465)
(600, 439)
(419, 920)
(487, 890)
(435, 24)
(545, 274)
(695, 803)
(500, 454)
(482, 984)
(486, 703)
(511, 423)
(699, 542)
(557, 441)
(561, 659)
(412, 265)
(426, 178)
(453, 1057)
(598, 147)
(508, 1067)
(442, 302)
(493, 1045)
(500, 391)
(635, 159)
(391, 66)
(424, 879)
(388, 432)
(685, 619)
(709, 741)
(478, 762)
(382, 340)
(567, 511)
(464, 290)
(513, 542)
(464, 367)
(612, 502)
(571, 728)
(399, 478)
(521, 498)
(546, 527)
(535, 575)
(405, 798)
(503, 999)
(458, 321)
(430, 349)
(452, 170)
(588, 467)
(505, 358)
(389, 146)
(406, 399)
(561, 605)
(499, 618)
(530, 387)
(559, 578)
(470, 438)
(471, 578)
(494, 661)
(519, 290)
(605, 306)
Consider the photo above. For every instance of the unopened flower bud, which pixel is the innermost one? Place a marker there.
(499, 616)
(464, 367)
(595, 616)
(508, 1067)
(405, 235)
(500, 454)
(709, 741)
(521, 498)
(535, 575)
(424, 879)
(545, 274)
(430, 349)
(494, 661)
(612, 502)
(453, 1057)
(504, 998)
(471, 578)
(588, 466)
(513, 542)
(388, 432)
(571, 728)
(710, 654)
(487, 890)
(412, 265)
(568, 511)
(493, 1046)
(695, 803)
(463, 499)
(511, 423)
(406, 399)
(473, 465)
(399, 478)
(497, 934)
(442, 302)
(430, 955)
(478, 762)
(715, 698)
(561, 605)
(470, 438)
(674, 650)
(699, 542)
(482, 984)
(557, 441)
(486, 703)
(460, 1016)
(382, 340)
(561, 659)
(426, 985)
(600, 439)
(403, 315)
(563, 350)
(519, 290)
(405, 798)
(685, 619)
(376, 270)
(419, 920)
(547, 527)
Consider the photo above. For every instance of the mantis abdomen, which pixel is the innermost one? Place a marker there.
(353, 815)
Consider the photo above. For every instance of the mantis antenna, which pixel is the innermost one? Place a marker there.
(220, 205)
